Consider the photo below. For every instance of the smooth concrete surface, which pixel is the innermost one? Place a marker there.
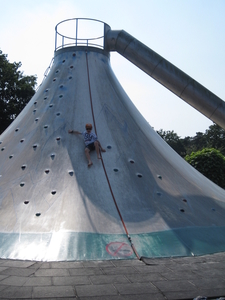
(53, 207)
(161, 279)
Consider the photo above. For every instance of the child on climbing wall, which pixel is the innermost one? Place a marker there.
(91, 142)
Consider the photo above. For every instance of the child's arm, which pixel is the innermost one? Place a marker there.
(74, 131)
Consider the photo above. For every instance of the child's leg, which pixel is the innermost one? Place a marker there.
(87, 153)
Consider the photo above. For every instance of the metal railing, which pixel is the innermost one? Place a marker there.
(79, 32)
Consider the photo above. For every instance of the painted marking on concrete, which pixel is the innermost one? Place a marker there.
(119, 249)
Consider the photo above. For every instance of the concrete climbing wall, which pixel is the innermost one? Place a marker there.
(140, 199)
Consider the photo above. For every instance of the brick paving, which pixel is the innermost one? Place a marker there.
(160, 279)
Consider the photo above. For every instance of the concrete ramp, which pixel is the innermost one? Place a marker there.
(142, 199)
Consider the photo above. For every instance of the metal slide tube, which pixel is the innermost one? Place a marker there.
(167, 74)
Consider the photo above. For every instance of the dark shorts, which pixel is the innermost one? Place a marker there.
(90, 146)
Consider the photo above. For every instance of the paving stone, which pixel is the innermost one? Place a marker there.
(152, 268)
(215, 293)
(136, 288)
(210, 273)
(16, 263)
(14, 281)
(127, 262)
(179, 295)
(85, 271)
(98, 263)
(118, 297)
(3, 268)
(38, 281)
(95, 290)
(71, 280)
(66, 265)
(119, 270)
(144, 277)
(16, 293)
(102, 279)
(3, 277)
(175, 286)
(2, 287)
(151, 296)
(180, 275)
(39, 265)
(17, 272)
(51, 272)
(209, 283)
(53, 291)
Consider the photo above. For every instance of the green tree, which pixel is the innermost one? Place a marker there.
(15, 90)
(211, 163)
(173, 140)
(215, 137)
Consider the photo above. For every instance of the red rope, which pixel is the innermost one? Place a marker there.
(121, 218)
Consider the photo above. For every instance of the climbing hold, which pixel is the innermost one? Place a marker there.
(182, 210)
(53, 192)
(131, 161)
(184, 200)
(23, 167)
(35, 146)
(139, 175)
(109, 147)
(21, 141)
(52, 156)
(26, 202)
(17, 129)
(115, 170)
(158, 194)
(22, 184)
(11, 156)
(38, 214)
(71, 173)
(159, 176)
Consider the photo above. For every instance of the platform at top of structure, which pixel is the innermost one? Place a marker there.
(82, 32)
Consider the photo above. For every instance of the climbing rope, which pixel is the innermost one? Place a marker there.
(103, 165)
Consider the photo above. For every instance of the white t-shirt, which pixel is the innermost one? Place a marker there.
(89, 137)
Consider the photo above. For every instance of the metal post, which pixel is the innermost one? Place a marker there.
(76, 30)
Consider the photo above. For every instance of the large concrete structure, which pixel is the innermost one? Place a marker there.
(141, 199)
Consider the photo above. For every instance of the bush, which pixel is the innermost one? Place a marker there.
(209, 162)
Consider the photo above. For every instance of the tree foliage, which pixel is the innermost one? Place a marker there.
(15, 90)
(211, 163)
(214, 137)
(204, 151)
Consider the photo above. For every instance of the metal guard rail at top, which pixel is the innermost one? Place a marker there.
(76, 32)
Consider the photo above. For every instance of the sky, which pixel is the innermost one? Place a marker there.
(188, 33)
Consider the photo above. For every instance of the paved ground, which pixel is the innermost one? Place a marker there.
(172, 278)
